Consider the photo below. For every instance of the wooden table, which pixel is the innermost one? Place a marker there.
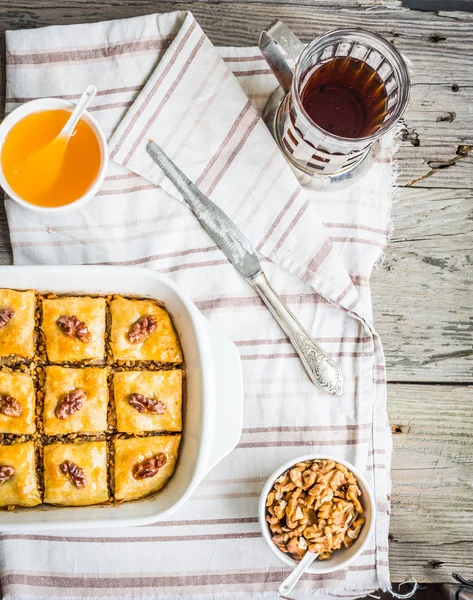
(423, 291)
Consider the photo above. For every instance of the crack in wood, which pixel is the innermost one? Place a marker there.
(447, 355)
(436, 262)
(410, 401)
(447, 117)
(435, 38)
(410, 136)
(461, 152)
(435, 166)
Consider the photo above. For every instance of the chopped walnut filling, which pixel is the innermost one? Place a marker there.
(314, 507)
(5, 473)
(146, 405)
(142, 329)
(6, 315)
(74, 472)
(74, 328)
(149, 467)
(10, 406)
(70, 403)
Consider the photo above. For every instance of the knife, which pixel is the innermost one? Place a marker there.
(321, 369)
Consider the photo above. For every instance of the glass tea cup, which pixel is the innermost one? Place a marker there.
(376, 88)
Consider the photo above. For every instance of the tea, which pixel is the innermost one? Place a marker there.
(345, 97)
(81, 159)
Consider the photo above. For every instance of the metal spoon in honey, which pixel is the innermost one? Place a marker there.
(47, 162)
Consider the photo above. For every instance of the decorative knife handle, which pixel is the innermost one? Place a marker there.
(320, 367)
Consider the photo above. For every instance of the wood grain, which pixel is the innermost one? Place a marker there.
(422, 293)
(432, 471)
(5, 248)
(439, 49)
(429, 562)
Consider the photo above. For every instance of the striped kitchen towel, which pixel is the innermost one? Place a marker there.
(159, 76)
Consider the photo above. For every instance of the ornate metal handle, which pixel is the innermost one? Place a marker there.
(320, 367)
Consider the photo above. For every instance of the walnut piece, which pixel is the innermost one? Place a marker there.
(10, 406)
(74, 472)
(74, 328)
(142, 329)
(70, 403)
(314, 506)
(146, 405)
(6, 315)
(149, 467)
(5, 473)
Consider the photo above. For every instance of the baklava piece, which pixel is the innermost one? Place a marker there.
(75, 400)
(75, 474)
(148, 400)
(144, 465)
(74, 329)
(142, 330)
(17, 403)
(18, 483)
(17, 324)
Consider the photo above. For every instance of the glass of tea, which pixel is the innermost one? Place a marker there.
(343, 91)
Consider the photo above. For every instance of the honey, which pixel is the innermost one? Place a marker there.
(80, 159)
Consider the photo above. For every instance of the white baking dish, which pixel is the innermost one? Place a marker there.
(212, 409)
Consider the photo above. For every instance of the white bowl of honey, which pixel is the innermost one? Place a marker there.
(27, 130)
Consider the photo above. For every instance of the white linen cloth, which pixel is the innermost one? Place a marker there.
(160, 77)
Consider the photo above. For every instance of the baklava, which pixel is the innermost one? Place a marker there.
(148, 400)
(75, 474)
(74, 329)
(18, 480)
(144, 465)
(91, 392)
(17, 324)
(75, 400)
(142, 330)
(17, 403)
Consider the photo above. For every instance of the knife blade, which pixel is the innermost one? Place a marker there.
(236, 247)
(240, 252)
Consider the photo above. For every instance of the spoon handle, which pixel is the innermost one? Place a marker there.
(288, 584)
(84, 101)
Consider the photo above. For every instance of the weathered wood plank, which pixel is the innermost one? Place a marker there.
(438, 122)
(429, 562)
(412, 266)
(5, 248)
(422, 292)
(432, 471)
(439, 49)
(426, 38)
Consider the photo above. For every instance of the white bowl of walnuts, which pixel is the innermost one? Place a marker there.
(317, 504)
